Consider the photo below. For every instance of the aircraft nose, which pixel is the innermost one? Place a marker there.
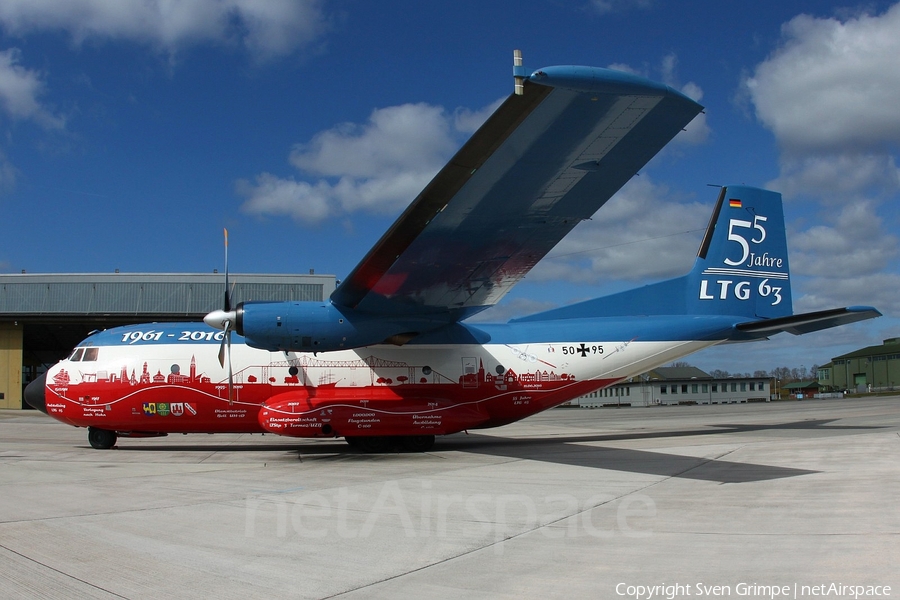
(34, 393)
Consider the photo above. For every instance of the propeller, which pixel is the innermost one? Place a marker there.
(224, 320)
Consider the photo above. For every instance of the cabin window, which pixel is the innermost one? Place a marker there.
(77, 354)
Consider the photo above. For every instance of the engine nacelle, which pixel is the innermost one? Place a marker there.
(321, 327)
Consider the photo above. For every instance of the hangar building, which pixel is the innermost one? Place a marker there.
(43, 316)
(869, 369)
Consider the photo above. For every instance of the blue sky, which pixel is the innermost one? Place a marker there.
(132, 131)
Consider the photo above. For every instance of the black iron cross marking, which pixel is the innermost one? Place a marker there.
(584, 350)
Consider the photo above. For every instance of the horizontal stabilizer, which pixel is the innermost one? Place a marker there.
(809, 322)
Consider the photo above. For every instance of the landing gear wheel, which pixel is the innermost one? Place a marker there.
(101, 439)
(371, 444)
(417, 443)
(353, 442)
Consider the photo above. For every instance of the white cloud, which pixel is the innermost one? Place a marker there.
(854, 245)
(19, 92)
(641, 233)
(835, 178)
(378, 167)
(410, 137)
(832, 85)
(269, 28)
(876, 289)
(304, 202)
(828, 94)
(468, 121)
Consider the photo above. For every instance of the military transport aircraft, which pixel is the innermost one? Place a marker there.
(389, 360)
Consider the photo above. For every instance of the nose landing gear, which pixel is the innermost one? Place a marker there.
(101, 439)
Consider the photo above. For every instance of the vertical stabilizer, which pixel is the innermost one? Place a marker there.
(742, 265)
(741, 269)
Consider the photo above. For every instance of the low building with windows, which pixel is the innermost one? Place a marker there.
(798, 390)
(678, 385)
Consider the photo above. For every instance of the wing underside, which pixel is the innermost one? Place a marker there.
(541, 164)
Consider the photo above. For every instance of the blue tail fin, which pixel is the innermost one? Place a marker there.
(742, 265)
(741, 269)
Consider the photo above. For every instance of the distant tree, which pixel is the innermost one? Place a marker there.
(782, 373)
(681, 364)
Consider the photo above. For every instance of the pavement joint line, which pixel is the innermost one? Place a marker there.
(487, 546)
(63, 573)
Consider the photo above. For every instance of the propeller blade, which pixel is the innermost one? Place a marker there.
(222, 345)
(227, 293)
(227, 341)
(223, 319)
(225, 358)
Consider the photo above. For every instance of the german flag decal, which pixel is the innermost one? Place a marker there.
(734, 203)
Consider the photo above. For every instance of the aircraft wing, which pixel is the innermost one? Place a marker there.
(542, 163)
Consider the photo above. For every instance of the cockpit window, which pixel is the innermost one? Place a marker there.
(84, 354)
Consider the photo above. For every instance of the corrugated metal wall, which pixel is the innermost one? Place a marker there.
(135, 297)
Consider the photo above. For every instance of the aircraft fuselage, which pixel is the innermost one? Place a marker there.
(164, 378)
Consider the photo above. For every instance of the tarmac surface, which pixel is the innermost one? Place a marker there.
(571, 503)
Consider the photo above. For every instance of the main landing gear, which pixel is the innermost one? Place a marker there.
(101, 439)
(383, 443)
